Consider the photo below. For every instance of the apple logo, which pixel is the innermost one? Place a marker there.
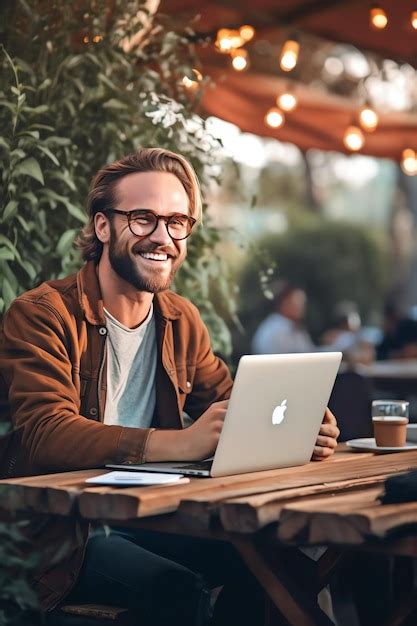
(278, 414)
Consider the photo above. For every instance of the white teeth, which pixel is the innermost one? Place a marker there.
(154, 256)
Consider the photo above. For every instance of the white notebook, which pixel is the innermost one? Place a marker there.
(134, 479)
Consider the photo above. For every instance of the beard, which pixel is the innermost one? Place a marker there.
(127, 268)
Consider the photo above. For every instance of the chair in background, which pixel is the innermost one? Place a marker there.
(351, 402)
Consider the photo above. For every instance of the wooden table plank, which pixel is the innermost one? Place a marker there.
(350, 518)
(201, 509)
(135, 502)
(48, 493)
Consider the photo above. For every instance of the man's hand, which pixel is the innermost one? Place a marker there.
(195, 443)
(326, 440)
(202, 437)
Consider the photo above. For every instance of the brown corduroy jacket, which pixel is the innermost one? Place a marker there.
(53, 391)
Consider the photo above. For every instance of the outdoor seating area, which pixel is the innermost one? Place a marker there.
(208, 313)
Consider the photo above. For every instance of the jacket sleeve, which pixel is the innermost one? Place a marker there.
(211, 379)
(44, 396)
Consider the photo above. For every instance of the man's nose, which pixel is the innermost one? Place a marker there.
(160, 235)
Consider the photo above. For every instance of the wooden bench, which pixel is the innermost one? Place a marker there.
(95, 615)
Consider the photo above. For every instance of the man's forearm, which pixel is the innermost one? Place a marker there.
(166, 445)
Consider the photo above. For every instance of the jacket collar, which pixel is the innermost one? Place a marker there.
(91, 300)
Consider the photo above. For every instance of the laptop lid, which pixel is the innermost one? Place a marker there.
(273, 418)
(275, 411)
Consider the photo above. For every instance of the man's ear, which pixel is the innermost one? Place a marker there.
(102, 227)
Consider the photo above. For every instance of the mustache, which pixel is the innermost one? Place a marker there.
(147, 247)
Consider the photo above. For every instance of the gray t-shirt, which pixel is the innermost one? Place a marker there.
(131, 368)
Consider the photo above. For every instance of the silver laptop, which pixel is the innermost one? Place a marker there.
(273, 417)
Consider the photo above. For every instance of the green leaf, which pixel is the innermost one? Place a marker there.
(41, 108)
(10, 209)
(30, 167)
(45, 84)
(76, 212)
(58, 141)
(29, 133)
(48, 153)
(11, 246)
(30, 196)
(114, 104)
(6, 254)
(8, 293)
(4, 143)
(30, 270)
(65, 242)
(24, 223)
(66, 178)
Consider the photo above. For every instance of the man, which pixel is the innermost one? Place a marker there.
(282, 331)
(98, 368)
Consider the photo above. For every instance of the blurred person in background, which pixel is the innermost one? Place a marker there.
(345, 335)
(400, 335)
(283, 330)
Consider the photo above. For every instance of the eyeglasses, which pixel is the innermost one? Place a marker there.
(143, 222)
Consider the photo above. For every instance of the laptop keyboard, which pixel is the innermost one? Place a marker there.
(199, 465)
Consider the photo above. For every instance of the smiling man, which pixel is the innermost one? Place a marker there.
(100, 367)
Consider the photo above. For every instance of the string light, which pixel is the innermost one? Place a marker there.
(353, 138)
(409, 162)
(86, 39)
(274, 118)
(223, 41)
(378, 18)
(287, 101)
(289, 55)
(227, 40)
(240, 59)
(191, 84)
(414, 19)
(247, 32)
(368, 118)
(97, 38)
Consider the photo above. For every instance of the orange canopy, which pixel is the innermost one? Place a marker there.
(320, 118)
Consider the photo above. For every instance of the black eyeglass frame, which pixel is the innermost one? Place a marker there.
(191, 221)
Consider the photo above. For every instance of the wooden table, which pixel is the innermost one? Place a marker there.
(328, 503)
(397, 376)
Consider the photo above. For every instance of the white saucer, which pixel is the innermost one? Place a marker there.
(368, 445)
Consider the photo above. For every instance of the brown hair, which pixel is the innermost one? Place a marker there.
(102, 189)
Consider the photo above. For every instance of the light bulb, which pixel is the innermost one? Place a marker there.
(368, 119)
(191, 84)
(227, 40)
(414, 19)
(240, 60)
(289, 55)
(223, 40)
(287, 101)
(409, 162)
(378, 18)
(274, 118)
(247, 32)
(353, 138)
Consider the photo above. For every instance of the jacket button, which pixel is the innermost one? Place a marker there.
(102, 330)
(93, 411)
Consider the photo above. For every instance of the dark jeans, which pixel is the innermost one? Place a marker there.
(166, 579)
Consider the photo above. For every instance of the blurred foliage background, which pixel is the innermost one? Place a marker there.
(333, 261)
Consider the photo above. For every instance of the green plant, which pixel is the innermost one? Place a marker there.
(78, 88)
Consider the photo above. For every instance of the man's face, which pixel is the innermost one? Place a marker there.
(293, 306)
(149, 263)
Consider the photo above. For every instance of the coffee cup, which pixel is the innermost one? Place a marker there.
(390, 419)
